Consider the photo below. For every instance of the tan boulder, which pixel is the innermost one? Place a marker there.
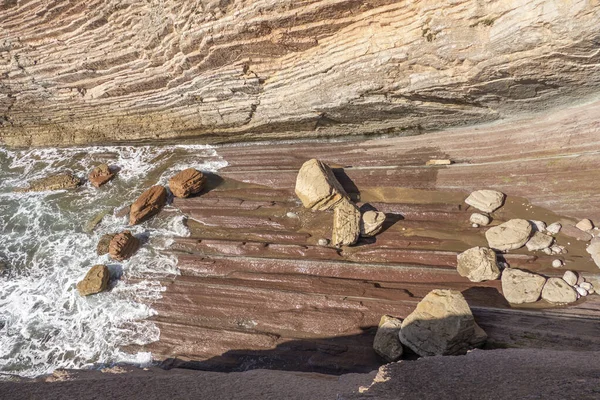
(123, 245)
(585, 225)
(539, 241)
(387, 342)
(509, 235)
(54, 182)
(441, 324)
(95, 281)
(485, 200)
(100, 175)
(346, 224)
(520, 286)
(148, 204)
(557, 291)
(478, 264)
(371, 223)
(317, 187)
(187, 182)
(104, 244)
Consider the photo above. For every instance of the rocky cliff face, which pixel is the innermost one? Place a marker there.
(230, 70)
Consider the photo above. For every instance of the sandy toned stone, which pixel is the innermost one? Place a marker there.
(571, 277)
(585, 225)
(55, 182)
(478, 264)
(95, 281)
(556, 290)
(520, 286)
(148, 204)
(485, 200)
(594, 250)
(509, 235)
(123, 246)
(539, 241)
(100, 175)
(575, 233)
(538, 226)
(479, 219)
(346, 224)
(317, 187)
(439, 162)
(187, 182)
(371, 223)
(104, 244)
(387, 341)
(441, 324)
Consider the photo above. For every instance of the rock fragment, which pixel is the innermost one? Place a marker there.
(486, 200)
(479, 219)
(570, 277)
(323, 242)
(104, 244)
(54, 182)
(509, 235)
(554, 228)
(387, 341)
(346, 224)
(441, 324)
(577, 234)
(317, 186)
(95, 281)
(187, 182)
(538, 226)
(587, 286)
(123, 245)
(557, 263)
(520, 287)
(557, 291)
(478, 264)
(148, 204)
(438, 162)
(594, 250)
(100, 175)
(371, 223)
(539, 241)
(581, 291)
(585, 225)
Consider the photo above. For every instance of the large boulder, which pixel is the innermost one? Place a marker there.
(520, 286)
(187, 182)
(486, 200)
(100, 175)
(95, 281)
(478, 264)
(442, 324)
(148, 204)
(387, 341)
(317, 187)
(54, 182)
(371, 223)
(346, 224)
(509, 235)
(558, 291)
(123, 245)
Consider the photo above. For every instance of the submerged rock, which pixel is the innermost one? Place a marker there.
(317, 187)
(96, 219)
(520, 286)
(104, 244)
(557, 291)
(575, 233)
(100, 175)
(346, 224)
(371, 223)
(509, 235)
(539, 241)
(387, 341)
(148, 204)
(187, 182)
(478, 264)
(95, 281)
(486, 200)
(442, 324)
(480, 219)
(123, 245)
(54, 182)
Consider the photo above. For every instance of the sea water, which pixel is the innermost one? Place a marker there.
(44, 323)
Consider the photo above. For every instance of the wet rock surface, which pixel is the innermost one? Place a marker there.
(148, 204)
(95, 281)
(478, 264)
(317, 187)
(55, 182)
(346, 224)
(509, 235)
(187, 182)
(123, 245)
(520, 286)
(387, 341)
(486, 200)
(104, 244)
(101, 175)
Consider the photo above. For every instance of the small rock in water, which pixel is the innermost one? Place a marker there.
(104, 244)
(586, 285)
(485, 200)
(539, 241)
(582, 292)
(323, 242)
(538, 226)
(475, 226)
(479, 219)
(509, 235)
(317, 186)
(556, 249)
(91, 224)
(558, 291)
(148, 204)
(557, 263)
(438, 162)
(346, 224)
(547, 251)
(520, 286)
(123, 246)
(371, 223)
(387, 341)
(585, 225)
(54, 182)
(478, 264)
(291, 215)
(554, 228)
(100, 175)
(570, 277)
(187, 182)
(95, 281)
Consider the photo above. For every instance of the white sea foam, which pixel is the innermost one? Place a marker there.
(44, 323)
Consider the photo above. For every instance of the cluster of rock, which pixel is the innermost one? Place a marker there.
(101, 175)
(319, 190)
(441, 324)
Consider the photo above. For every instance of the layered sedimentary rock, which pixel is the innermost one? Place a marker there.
(100, 175)
(123, 245)
(95, 281)
(148, 204)
(187, 182)
(55, 182)
(80, 72)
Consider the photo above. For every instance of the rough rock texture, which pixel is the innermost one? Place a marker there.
(387, 341)
(346, 224)
(509, 235)
(479, 219)
(317, 187)
(148, 204)
(520, 286)
(123, 245)
(594, 250)
(100, 175)
(95, 281)
(54, 182)
(442, 324)
(104, 243)
(557, 291)
(585, 225)
(371, 223)
(99, 72)
(571, 277)
(485, 200)
(478, 264)
(539, 241)
(187, 182)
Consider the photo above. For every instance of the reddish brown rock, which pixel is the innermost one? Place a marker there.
(187, 182)
(95, 281)
(100, 175)
(148, 204)
(123, 246)
(104, 244)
